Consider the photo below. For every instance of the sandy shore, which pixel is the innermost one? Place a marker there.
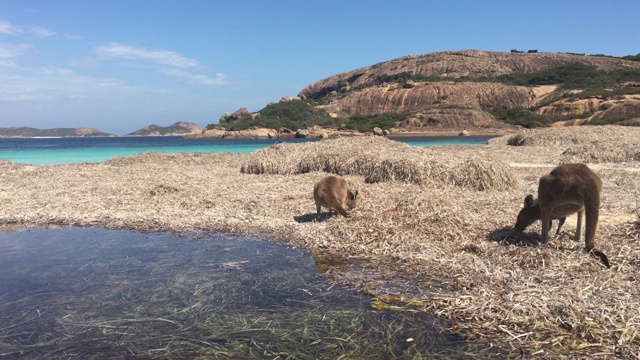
(430, 227)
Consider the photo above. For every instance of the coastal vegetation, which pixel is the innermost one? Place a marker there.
(617, 119)
(571, 76)
(635, 57)
(300, 114)
(294, 114)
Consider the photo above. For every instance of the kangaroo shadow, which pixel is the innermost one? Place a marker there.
(311, 217)
(509, 236)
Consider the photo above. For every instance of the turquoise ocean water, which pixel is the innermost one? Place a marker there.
(54, 151)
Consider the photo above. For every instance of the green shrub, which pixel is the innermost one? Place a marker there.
(293, 115)
(573, 76)
(614, 93)
(402, 77)
(523, 117)
(632, 57)
(613, 119)
(300, 114)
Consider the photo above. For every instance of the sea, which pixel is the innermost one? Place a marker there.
(56, 151)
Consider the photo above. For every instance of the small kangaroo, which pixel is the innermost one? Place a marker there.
(567, 189)
(332, 192)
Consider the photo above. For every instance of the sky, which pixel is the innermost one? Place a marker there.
(120, 65)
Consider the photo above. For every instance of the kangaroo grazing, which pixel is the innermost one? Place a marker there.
(530, 213)
(567, 189)
(332, 192)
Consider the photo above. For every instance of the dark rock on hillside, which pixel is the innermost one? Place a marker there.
(235, 116)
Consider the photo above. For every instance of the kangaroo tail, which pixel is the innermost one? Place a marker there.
(602, 256)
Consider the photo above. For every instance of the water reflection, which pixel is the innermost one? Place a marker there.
(94, 293)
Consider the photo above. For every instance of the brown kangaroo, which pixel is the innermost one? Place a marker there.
(530, 213)
(332, 192)
(568, 189)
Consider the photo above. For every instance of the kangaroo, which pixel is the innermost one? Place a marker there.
(567, 189)
(332, 192)
(530, 213)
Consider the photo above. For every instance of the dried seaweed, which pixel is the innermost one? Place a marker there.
(378, 160)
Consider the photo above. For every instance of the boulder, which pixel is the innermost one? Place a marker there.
(286, 133)
(377, 131)
(301, 134)
(237, 115)
(409, 84)
(223, 118)
(411, 122)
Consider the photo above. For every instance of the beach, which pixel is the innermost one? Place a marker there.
(429, 231)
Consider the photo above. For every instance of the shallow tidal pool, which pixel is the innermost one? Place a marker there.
(96, 294)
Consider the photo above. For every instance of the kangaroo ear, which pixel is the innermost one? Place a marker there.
(355, 194)
(528, 201)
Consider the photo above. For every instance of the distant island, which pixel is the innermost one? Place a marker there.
(28, 132)
(178, 129)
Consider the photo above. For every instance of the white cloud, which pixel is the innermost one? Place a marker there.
(57, 71)
(73, 36)
(41, 32)
(23, 97)
(12, 50)
(84, 62)
(164, 57)
(219, 79)
(8, 64)
(8, 29)
(31, 84)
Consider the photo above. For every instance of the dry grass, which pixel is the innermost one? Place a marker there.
(582, 144)
(444, 237)
(570, 135)
(602, 152)
(380, 160)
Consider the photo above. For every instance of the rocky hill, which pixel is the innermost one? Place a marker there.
(480, 91)
(457, 65)
(178, 129)
(23, 131)
(464, 88)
